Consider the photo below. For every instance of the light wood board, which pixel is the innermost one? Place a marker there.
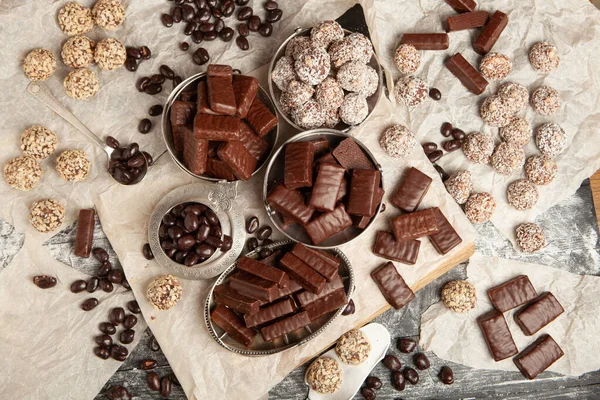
(595, 185)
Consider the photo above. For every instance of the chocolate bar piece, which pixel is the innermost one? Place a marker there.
(253, 286)
(360, 222)
(85, 232)
(350, 156)
(415, 225)
(497, 335)
(260, 118)
(263, 271)
(462, 5)
(270, 313)
(298, 165)
(466, 73)
(326, 158)
(256, 145)
(511, 294)
(292, 287)
(232, 325)
(327, 257)
(539, 313)
(315, 261)
(321, 145)
(363, 192)
(327, 186)
(491, 33)
(219, 169)
(328, 224)
(220, 94)
(179, 133)
(538, 356)
(305, 297)
(426, 41)
(469, 20)
(412, 190)
(387, 247)
(245, 89)
(195, 153)
(182, 113)
(219, 70)
(307, 277)
(202, 105)
(241, 162)
(284, 326)
(236, 301)
(290, 203)
(392, 286)
(187, 95)
(217, 127)
(343, 189)
(327, 304)
(446, 238)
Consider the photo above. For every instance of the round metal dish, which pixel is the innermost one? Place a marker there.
(276, 93)
(221, 199)
(260, 347)
(190, 84)
(274, 175)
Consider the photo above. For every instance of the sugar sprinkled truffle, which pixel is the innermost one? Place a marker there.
(407, 58)
(283, 72)
(22, 172)
(78, 52)
(460, 186)
(309, 115)
(75, 19)
(46, 215)
(517, 93)
(550, 138)
(38, 142)
(478, 148)
(459, 296)
(324, 375)
(81, 84)
(313, 65)
(353, 347)
(398, 141)
(522, 194)
(545, 101)
(73, 165)
(496, 111)
(329, 94)
(326, 32)
(39, 64)
(480, 207)
(544, 57)
(507, 158)
(164, 292)
(495, 66)
(354, 109)
(355, 47)
(541, 170)
(110, 54)
(530, 237)
(108, 14)
(411, 91)
(518, 131)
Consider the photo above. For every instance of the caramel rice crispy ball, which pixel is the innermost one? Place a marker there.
(39, 64)
(495, 66)
(518, 94)
(478, 148)
(355, 47)
(459, 296)
(354, 109)
(73, 165)
(522, 194)
(324, 375)
(544, 57)
(530, 237)
(353, 347)
(545, 101)
(518, 131)
(496, 111)
(46, 215)
(325, 33)
(329, 94)
(78, 52)
(541, 170)
(407, 58)
(411, 91)
(460, 186)
(480, 207)
(38, 142)
(22, 172)
(551, 139)
(75, 19)
(398, 141)
(81, 84)
(164, 292)
(110, 54)
(108, 14)
(283, 73)
(507, 158)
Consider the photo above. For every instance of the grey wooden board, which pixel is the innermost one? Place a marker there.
(573, 236)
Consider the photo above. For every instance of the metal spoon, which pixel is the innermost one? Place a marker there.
(41, 92)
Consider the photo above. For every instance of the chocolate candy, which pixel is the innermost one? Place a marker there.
(411, 375)
(306, 297)
(398, 381)
(392, 286)
(44, 281)
(406, 345)
(216, 127)
(392, 363)
(149, 364)
(85, 233)
(320, 145)
(220, 89)
(350, 308)
(182, 113)
(426, 41)
(201, 56)
(328, 224)
(244, 89)
(411, 192)
(290, 203)
(462, 5)
(118, 393)
(256, 145)
(153, 381)
(315, 260)
(327, 304)
(299, 165)
(373, 382)
(538, 357)
(238, 158)
(491, 33)
(78, 286)
(327, 185)
(264, 233)
(415, 225)
(236, 301)
(293, 286)
(350, 155)
(284, 326)
(260, 118)
(421, 361)
(539, 313)
(469, 20)
(270, 313)
(363, 199)
(252, 286)
(307, 277)
(89, 304)
(446, 375)
(219, 169)
(497, 335)
(252, 224)
(446, 129)
(405, 251)
(446, 238)
(511, 294)
(263, 271)
(232, 325)
(435, 94)
(466, 73)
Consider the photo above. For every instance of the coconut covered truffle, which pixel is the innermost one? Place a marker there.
(73, 165)
(309, 115)
(459, 296)
(325, 33)
(81, 84)
(354, 76)
(355, 47)
(108, 14)
(110, 54)
(495, 66)
(545, 101)
(297, 45)
(496, 111)
(551, 139)
(332, 117)
(164, 292)
(324, 375)
(283, 72)
(460, 186)
(353, 347)
(39, 64)
(407, 58)
(544, 57)
(78, 52)
(398, 141)
(507, 158)
(516, 93)
(522, 194)
(530, 237)
(541, 170)
(354, 109)
(478, 148)
(411, 91)
(518, 131)
(46, 215)
(75, 19)
(38, 142)
(22, 172)
(313, 65)
(480, 207)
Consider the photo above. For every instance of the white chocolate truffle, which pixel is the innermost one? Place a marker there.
(73, 165)
(551, 139)
(283, 73)
(46, 215)
(518, 131)
(324, 375)
(459, 296)
(522, 194)
(22, 172)
(460, 186)
(39, 64)
(354, 109)
(478, 148)
(108, 14)
(544, 57)
(495, 66)
(78, 52)
(398, 141)
(38, 142)
(541, 170)
(313, 65)
(309, 115)
(496, 111)
(329, 94)
(353, 347)
(545, 101)
(81, 84)
(75, 19)
(530, 237)
(164, 292)
(297, 46)
(325, 33)
(410, 91)
(355, 47)
(110, 54)
(507, 158)
(518, 94)
(407, 58)
(480, 207)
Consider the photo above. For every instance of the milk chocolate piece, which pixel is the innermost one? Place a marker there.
(328, 224)
(426, 41)
(241, 162)
(327, 304)
(491, 33)
(387, 247)
(202, 105)
(182, 113)
(412, 190)
(539, 313)
(263, 271)
(415, 225)
(497, 335)
(538, 356)
(511, 294)
(188, 95)
(291, 288)
(315, 261)
(219, 70)
(217, 127)
(305, 297)
(179, 134)
(307, 277)
(298, 165)
(219, 169)
(85, 232)
(327, 186)
(392, 286)
(245, 89)
(253, 286)
(469, 20)
(466, 73)
(284, 326)
(360, 222)
(350, 155)
(363, 192)
(256, 145)
(220, 93)
(236, 301)
(327, 257)
(232, 325)
(321, 145)
(343, 189)
(260, 118)
(462, 5)
(446, 238)
(290, 203)
(195, 153)
(270, 313)
(327, 158)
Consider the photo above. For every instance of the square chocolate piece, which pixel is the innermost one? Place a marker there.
(260, 118)
(241, 162)
(245, 89)
(298, 170)
(411, 192)
(363, 192)
(396, 292)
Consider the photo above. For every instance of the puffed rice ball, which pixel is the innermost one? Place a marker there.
(81, 84)
(495, 66)
(309, 115)
(518, 131)
(325, 33)
(283, 73)
(75, 19)
(46, 215)
(459, 296)
(78, 52)
(522, 194)
(164, 292)
(39, 64)
(518, 94)
(460, 186)
(324, 375)
(544, 57)
(73, 165)
(496, 111)
(478, 148)
(541, 170)
(22, 172)
(355, 47)
(480, 207)
(507, 158)
(551, 139)
(108, 14)
(398, 141)
(411, 91)
(38, 142)
(530, 237)
(353, 347)
(110, 54)
(329, 94)
(354, 109)
(407, 58)
(545, 101)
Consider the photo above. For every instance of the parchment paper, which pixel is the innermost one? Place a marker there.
(576, 330)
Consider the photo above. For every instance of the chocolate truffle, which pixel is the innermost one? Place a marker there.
(73, 165)
(329, 94)
(496, 111)
(460, 186)
(325, 33)
(545, 101)
(164, 292)
(38, 142)
(296, 47)
(371, 85)
(411, 91)
(332, 118)
(407, 58)
(297, 93)
(541, 170)
(46, 215)
(81, 84)
(518, 131)
(355, 47)
(39, 64)
(478, 148)
(75, 19)
(398, 141)
(354, 109)
(324, 375)
(480, 207)
(507, 158)
(550, 138)
(110, 54)
(353, 347)
(22, 172)
(530, 237)
(518, 94)
(459, 296)
(313, 65)
(544, 57)
(309, 115)
(108, 14)
(283, 72)
(354, 76)
(495, 66)
(522, 194)
(78, 52)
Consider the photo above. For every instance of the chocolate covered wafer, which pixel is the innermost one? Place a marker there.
(260, 118)
(219, 169)
(298, 270)
(256, 145)
(298, 169)
(364, 196)
(245, 89)
(202, 105)
(491, 33)
(415, 225)
(462, 5)
(396, 292)
(182, 113)
(466, 73)
(236, 301)
(497, 335)
(412, 190)
(286, 325)
(195, 152)
(389, 248)
(469, 20)
(220, 89)
(325, 191)
(350, 156)
(538, 356)
(179, 133)
(446, 238)
(305, 297)
(241, 162)
(217, 127)
(539, 313)
(85, 232)
(270, 313)
(426, 41)
(328, 224)
(315, 261)
(233, 325)
(327, 304)
(511, 294)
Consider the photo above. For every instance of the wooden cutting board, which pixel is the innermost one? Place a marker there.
(595, 185)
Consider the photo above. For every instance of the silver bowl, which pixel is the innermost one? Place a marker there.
(192, 82)
(276, 92)
(297, 338)
(275, 174)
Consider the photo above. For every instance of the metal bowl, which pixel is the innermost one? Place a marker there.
(275, 175)
(276, 93)
(192, 83)
(297, 338)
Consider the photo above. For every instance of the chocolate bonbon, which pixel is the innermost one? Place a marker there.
(538, 356)
(285, 326)
(405, 251)
(326, 186)
(327, 304)
(497, 335)
(238, 158)
(466, 73)
(315, 261)
(491, 33)
(363, 199)
(232, 325)
(446, 238)
(511, 294)
(264, 271)
(307, 277)
(411, 192)
(392, 286)
(236, 301)
(85, 233)
(298, 170)
(462, 5)
(270, 313)
(415, 225)
(469, 20)
(539, 313)
(426, 41)
(245, 89)
(328, 224)
(290, 203)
